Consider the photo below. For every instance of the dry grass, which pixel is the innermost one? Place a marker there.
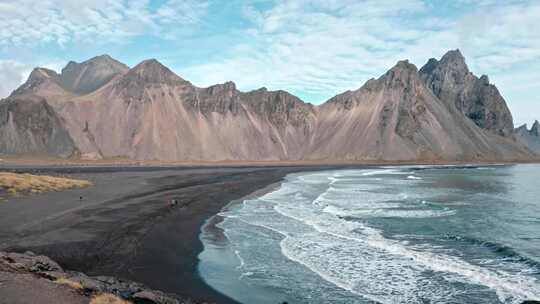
(70, 283)
(16, 184)
(107, 298)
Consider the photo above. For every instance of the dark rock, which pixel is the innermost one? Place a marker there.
(147, 296)
(28, 125)
(535, 130)
(45, 268)
(452, 82)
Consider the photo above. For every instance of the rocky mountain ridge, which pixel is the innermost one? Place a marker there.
(441, 112)
(452, 82)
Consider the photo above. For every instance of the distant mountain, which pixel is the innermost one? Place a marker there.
(101, 108)
(530, 138)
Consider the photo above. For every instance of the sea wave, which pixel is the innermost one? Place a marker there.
(322, 220)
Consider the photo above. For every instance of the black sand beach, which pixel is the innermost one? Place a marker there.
(125, 227)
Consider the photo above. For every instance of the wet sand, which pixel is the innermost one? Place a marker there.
(124, 226)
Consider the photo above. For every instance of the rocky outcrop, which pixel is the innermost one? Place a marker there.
(41, 268)
(442, 112)
(452, 82)
(530, 138)
(30, 126)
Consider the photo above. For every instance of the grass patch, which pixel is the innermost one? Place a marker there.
(17, 184)
(70, 283)
(107, 298)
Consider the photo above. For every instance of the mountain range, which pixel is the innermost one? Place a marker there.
(101, 108)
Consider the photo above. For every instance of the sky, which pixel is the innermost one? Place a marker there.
(314, 49)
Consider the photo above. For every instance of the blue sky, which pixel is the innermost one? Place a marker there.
(313, 49)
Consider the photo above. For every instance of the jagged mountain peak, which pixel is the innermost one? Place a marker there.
(452, 82)
(453, 60)
(151, 63)
(90, 75)
(40, 79)
(402, 71)
(153, 71)
(535, 129)
(530, 138)
(456, 60)
(430, 66)
(39, 73)
(228, 86)
(522, 128)
(453, 55)
(101, 60)
(404, 65)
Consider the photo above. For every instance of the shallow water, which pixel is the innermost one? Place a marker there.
(386, 235)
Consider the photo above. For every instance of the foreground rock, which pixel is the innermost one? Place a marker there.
(30, 278)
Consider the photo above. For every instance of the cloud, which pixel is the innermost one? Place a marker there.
(30, 22)
(12, 74)
(317, 48)
(312, 48)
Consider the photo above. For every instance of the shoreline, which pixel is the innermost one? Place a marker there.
(128, 231)
(124, 227)
(46, 163)
(210, 225)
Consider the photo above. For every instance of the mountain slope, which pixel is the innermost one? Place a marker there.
(440, 113)
(452, 82)
(397, 118)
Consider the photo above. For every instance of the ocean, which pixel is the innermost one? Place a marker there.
(418, 234)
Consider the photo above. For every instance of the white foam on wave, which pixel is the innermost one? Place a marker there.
(358, 258)
(239, 257)
(397, 258)
(385, 171)
(509, 288)
(384, 211)
(414, 177)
